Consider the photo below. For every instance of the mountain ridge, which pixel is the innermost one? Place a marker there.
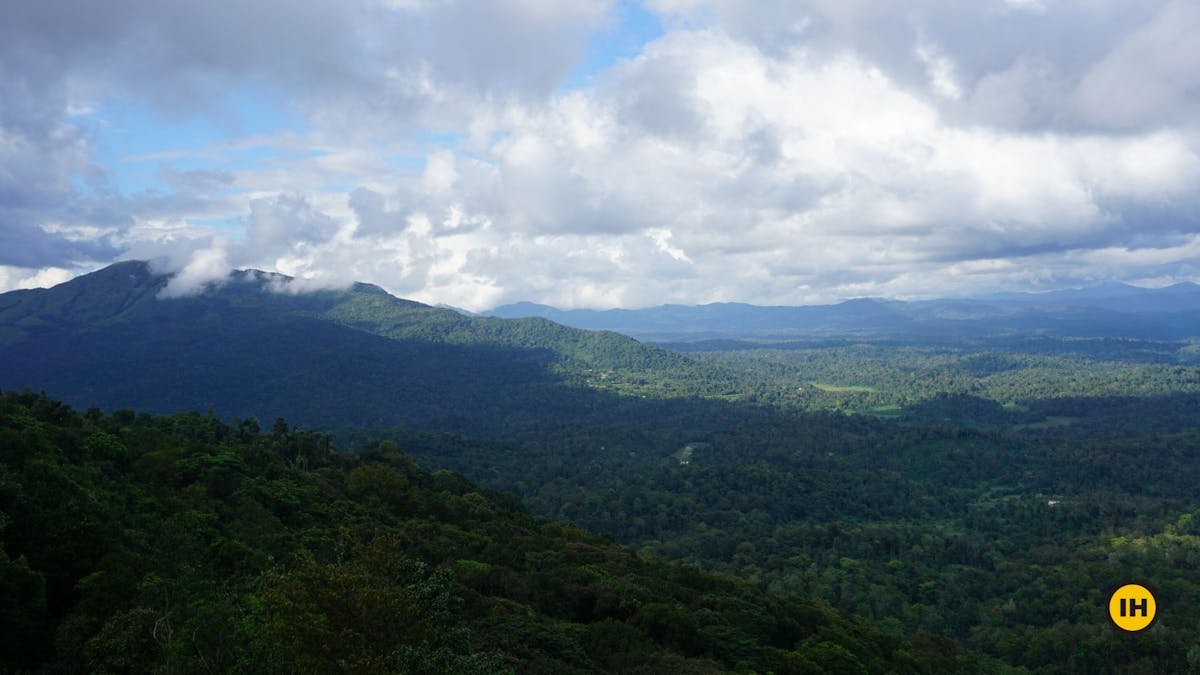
(243, 347)
(1116, 309)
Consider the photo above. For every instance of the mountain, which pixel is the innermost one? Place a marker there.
(1106, 310)
(986, 531)
(353, 357)
(723, 318)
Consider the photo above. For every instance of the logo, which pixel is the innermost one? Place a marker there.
(1132, 608)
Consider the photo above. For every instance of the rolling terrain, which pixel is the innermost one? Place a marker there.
(969, 500)
(1113, 310)
(135, 543)
(355, 357)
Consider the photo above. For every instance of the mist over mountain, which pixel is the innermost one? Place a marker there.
(255, 346)
(859, 473)
(239, 458)
(251, 346)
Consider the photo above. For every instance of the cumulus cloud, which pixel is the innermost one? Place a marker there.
(1151, 77)
(22, 278)
(774, 152)
(1066, 50)
(399, 65)
(42, 159)
(284, 223)
(204, 268)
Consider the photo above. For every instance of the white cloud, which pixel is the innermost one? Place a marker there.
(773, 152)
(1151, 77)
(204, 268)
(940, 70)
(12, 278)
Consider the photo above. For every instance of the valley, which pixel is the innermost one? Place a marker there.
(965, 504)
(567, 337)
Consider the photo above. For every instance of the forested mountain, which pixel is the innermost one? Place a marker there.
(1113, 310)
(359, 356)
(137, 544)
(974, 499)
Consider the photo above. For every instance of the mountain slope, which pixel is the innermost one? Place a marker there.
(355, 357)
(134, 543)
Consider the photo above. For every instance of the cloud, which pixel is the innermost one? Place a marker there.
(204, 268)
(866, 186)
(796, 179)
(24, 244)
(42, 158)
(197, 180)
(22, 277)
(774, 152)
(284, 223)
(394, 65)
(1151, 77)
(1077, 55)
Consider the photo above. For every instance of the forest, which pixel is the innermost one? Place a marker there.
(569, 337)
(454, 493)
(991, 494)
(135, 543)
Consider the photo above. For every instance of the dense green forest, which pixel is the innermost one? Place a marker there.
(135, 543)
(1007, 545)
(1000, 525)
(355, 357)
(881, 505)
(883, 377)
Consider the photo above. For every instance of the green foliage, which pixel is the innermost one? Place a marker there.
(1017, 373)
(357, 357)
(976, 529)
(134, 543)
(986, 524)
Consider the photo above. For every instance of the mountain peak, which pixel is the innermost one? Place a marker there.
(125, 271)
(251, 345)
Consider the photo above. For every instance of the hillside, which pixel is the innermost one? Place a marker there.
(982, 499)
(134, 543)
(359, 356)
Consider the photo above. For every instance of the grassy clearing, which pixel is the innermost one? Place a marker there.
(837, 389)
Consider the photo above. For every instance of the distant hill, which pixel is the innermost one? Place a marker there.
(725, 318)
(354, 357)
(1108, 310)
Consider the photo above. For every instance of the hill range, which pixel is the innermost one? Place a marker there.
(360, 357)
(1110, 310)
(1003, 478)
(248, 346)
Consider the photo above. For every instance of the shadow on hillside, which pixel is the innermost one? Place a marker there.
(320, 374)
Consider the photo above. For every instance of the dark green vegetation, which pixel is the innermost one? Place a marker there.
(330, 358)
(1009, 487)
(996, 382)
(134, 543)
(1007, 544)
(972, 499)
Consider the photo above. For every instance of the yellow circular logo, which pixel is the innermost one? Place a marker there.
(1132, 608)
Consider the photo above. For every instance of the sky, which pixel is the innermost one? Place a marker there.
(605, 153)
